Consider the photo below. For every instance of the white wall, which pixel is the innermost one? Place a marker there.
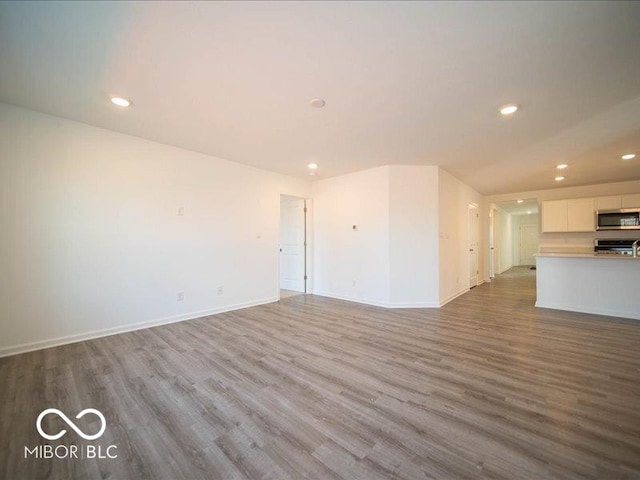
(393, 255)
(414, 245)
(352, 264)
(454, 198)
(91, 241)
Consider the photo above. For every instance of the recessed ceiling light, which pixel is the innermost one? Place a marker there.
(121, 102)
(562, 166)
(313, 166)
(628, 156)
(559, 179)
(509, 109)
(520, 201)
(316, 102)
(529, 212)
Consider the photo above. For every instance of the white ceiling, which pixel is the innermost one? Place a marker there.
(405, 83)
(529, 206)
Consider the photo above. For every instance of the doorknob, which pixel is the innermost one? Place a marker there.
(280, 249)
(471, 249)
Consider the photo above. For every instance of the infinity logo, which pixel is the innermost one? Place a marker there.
(70, 423)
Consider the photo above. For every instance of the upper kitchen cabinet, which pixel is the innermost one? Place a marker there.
(618, 201)
(631, 201)
(581, 215)
(608, 203)
(575, 215)
(554, 216)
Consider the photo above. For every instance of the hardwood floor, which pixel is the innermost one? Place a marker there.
(289, 293)
(310, 387)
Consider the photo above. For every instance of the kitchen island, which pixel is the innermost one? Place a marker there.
(599, 284)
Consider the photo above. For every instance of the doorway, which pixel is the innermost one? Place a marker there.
(474, 237)
(293, 243)
(516, 233)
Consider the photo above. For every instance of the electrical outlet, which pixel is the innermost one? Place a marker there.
(181, 211)
(220, 290)
(180, 296)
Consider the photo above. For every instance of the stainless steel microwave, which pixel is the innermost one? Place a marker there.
(621, 219)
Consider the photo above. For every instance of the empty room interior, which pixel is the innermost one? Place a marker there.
(323, 240)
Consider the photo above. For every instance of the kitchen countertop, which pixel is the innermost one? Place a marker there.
(587, 255)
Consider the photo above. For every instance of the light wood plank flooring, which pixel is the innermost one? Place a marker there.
(289, 293)
(310, 387)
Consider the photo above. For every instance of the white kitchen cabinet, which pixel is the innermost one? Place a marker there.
(574, 215)
(609, 203)
(554, 216)
(581, 215)
(631, 201)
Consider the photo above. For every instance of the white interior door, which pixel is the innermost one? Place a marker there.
(292, 243)
(474, 234)
(529, 240)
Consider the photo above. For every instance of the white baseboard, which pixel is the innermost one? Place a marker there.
(453, 296)
(351, 299)
(79, 337)
(378, 304)
(594, 311)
